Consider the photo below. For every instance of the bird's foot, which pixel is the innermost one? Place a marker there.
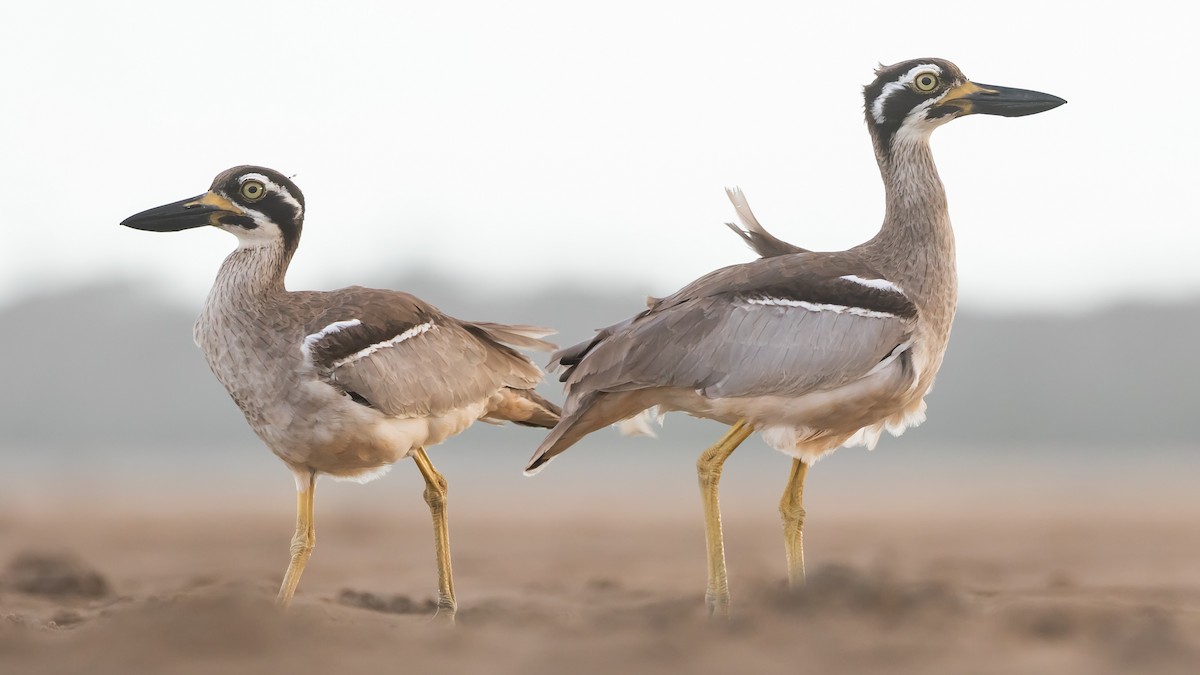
(445, 614)
(718, 605)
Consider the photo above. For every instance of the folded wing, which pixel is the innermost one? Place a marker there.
(771, 327)
(405, 358)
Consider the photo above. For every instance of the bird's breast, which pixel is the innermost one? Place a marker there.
(259, 367)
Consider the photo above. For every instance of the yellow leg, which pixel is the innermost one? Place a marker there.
(716, 597)
(303, 540)
(435, 496)
(791, 508)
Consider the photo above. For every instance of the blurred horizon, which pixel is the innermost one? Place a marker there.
(1135, 355)
(109, 401)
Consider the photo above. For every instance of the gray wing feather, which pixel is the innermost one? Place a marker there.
(802, 351)
(734, 349)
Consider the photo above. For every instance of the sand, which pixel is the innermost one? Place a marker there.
(1006, 559)
(110, 591)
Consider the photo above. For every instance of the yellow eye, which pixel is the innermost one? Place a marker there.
(926, 82)
(253, 190)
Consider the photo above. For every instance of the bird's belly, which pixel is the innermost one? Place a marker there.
(813, 424)
(351, 441)
(844, 409)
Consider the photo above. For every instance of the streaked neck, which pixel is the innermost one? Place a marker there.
(252, 272)
(916, 242)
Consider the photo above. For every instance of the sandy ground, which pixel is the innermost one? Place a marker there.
(182, 592)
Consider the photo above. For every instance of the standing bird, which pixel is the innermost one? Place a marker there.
(344, 382)
(814, 350)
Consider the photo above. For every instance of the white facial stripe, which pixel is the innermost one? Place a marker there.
(878, 284)
(927, 104)
(255, 215)
(818, 307)
(267, 233)
(898, 85)
(272, 186)
(406, 335)
(916, 127)
(314, 338)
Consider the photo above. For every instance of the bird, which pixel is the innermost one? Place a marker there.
(347, 382)
(812, 350)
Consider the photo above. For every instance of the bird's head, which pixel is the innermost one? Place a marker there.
(258, 205)
(908, 100)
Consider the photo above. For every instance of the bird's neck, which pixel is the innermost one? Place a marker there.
(915, 247)
(251, 273)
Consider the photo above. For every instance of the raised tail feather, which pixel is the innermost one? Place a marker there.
(754, 234)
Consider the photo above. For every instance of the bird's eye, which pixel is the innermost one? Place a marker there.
(926, 82)
(253, 190)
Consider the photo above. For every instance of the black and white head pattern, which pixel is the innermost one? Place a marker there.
(272, 207)
(906, 100)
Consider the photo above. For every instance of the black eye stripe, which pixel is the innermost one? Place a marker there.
(244, 222)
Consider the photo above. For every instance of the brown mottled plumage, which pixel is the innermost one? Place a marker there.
(344, 382)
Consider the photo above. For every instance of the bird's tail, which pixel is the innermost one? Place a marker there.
(753, 233)
(525, 407)
(594, 411)
(540, 411)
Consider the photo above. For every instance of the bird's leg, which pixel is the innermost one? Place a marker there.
(791, 508)
(435, 496)
(716, 597)
(303, 540)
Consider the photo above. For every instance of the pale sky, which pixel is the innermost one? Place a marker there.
(519, 144)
